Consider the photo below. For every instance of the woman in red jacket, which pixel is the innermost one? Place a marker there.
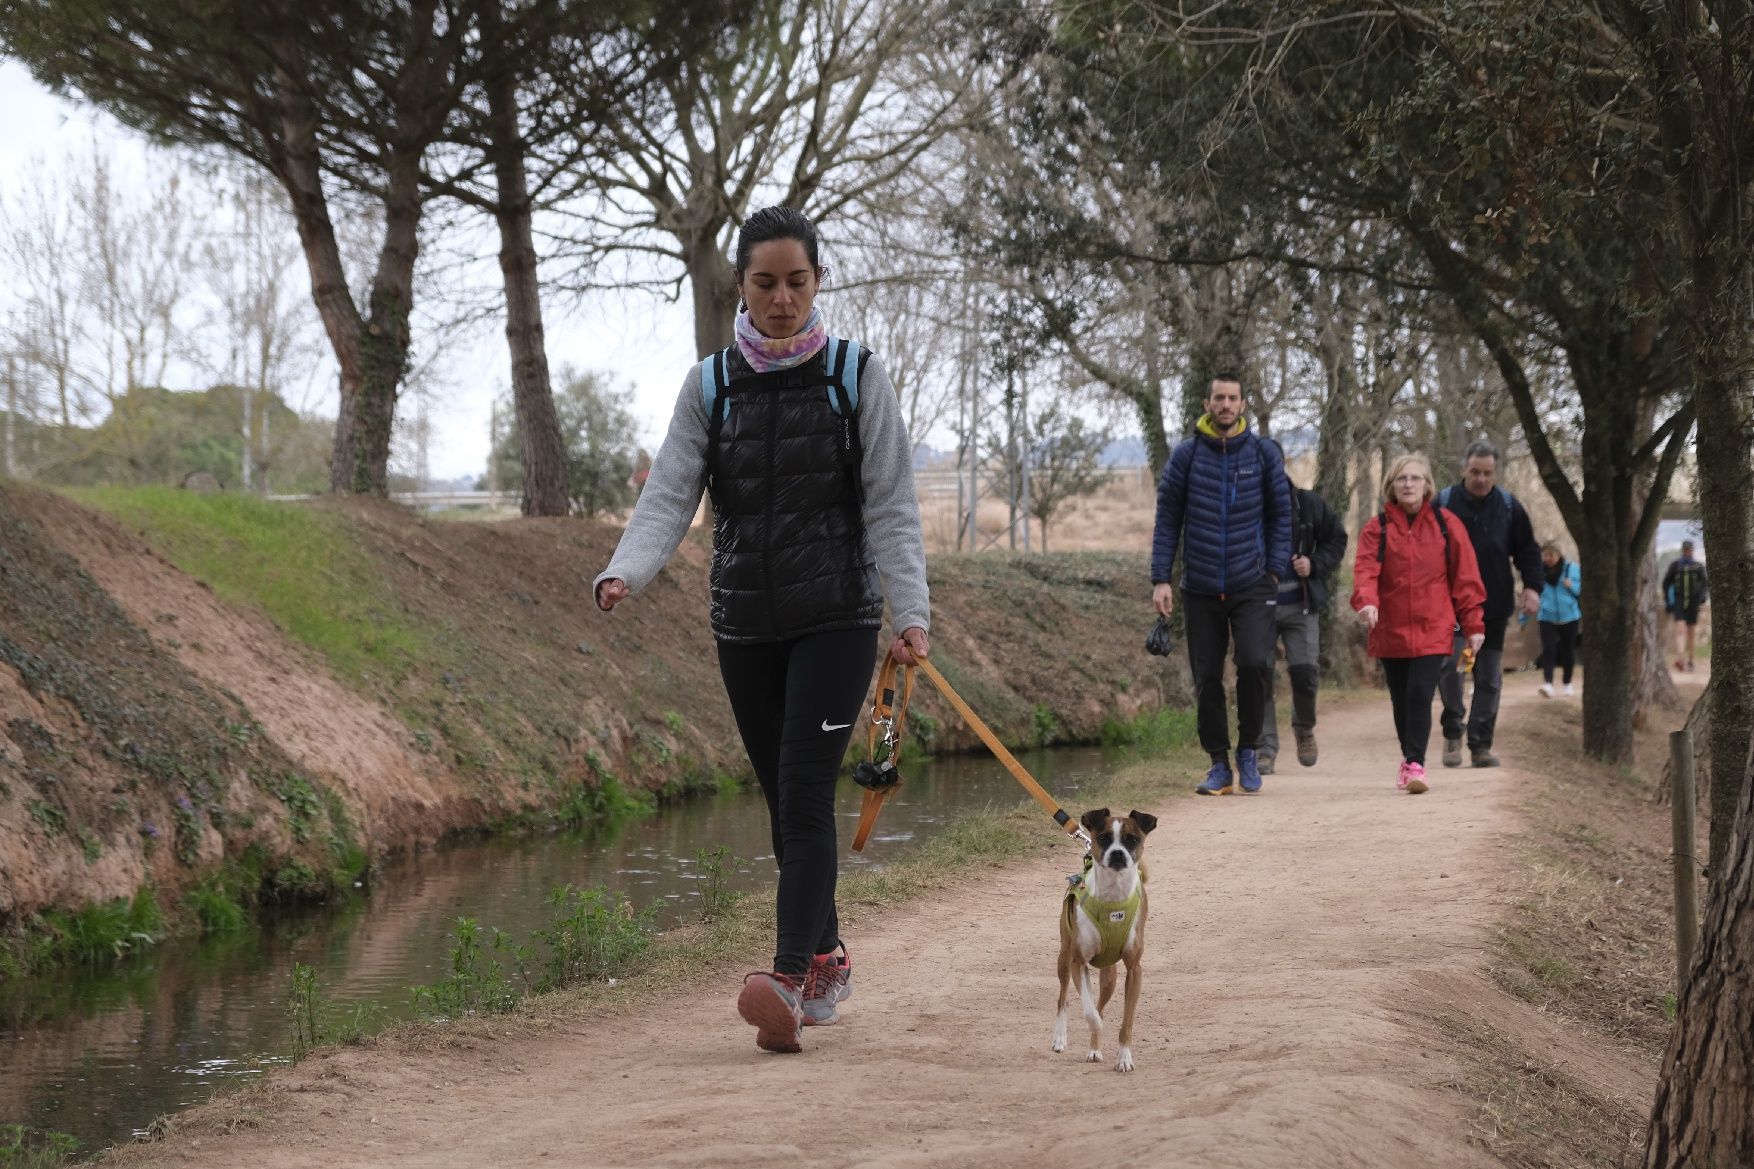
(1415, 580)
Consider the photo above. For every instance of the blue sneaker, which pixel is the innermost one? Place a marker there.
(1248, 769)
(1217, 781)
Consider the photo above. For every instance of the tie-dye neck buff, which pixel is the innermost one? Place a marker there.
(766, 354)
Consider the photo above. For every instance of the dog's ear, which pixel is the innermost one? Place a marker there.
(1145, 820)
(1094, 820)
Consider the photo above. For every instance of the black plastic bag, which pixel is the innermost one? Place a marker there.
(1158, 641)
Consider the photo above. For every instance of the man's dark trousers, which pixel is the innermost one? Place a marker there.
(1481, 716)
(1210, 622)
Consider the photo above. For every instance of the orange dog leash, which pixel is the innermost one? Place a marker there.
(885, 713)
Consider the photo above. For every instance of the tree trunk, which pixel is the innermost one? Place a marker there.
(544, 454)
(715, 293)
(1725, 398)
(300, 172)
(361, 463)
(1704, 1112)
(1652, 687)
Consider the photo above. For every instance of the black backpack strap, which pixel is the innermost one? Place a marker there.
(1382, 534)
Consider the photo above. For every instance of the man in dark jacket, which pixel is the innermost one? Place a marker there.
(1318, 544)
(1224, 502)
(1502, 536)
(1685, 589)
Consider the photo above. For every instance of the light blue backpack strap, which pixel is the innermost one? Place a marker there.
(711, 381)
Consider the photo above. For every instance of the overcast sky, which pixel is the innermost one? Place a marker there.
(643, 342)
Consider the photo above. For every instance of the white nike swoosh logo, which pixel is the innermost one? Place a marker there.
(835, 727)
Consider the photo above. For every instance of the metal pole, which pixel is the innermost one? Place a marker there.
(1681, 810)
(1023, 455)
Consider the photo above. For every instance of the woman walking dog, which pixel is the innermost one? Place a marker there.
(799, 440)
(1415, 581)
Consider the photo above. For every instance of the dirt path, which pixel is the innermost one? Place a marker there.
(1291, 935)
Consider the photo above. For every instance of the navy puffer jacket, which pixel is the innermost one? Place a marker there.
(1226, 503)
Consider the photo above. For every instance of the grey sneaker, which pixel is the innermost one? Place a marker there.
(1452, 752)
(1306, 748)
(829, 982)
(770, 1003)
(1483, 757)
(1264, 761)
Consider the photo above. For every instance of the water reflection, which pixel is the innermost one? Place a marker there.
(100, 1055)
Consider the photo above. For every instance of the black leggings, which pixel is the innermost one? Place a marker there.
(796, 703)
(1412, 682)
(1558, 648)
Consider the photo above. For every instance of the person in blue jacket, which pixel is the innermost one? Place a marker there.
(1560, 616)
(1224, 503)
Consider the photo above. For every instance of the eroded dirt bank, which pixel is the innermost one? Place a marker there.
(153, 734)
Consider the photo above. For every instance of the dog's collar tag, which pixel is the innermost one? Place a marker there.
(1118, 915)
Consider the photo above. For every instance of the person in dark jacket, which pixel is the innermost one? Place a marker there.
(803, 533)
(1502, 537)
(1224, 503)
(1685, 589)
(1415, 582)
(1318, 544)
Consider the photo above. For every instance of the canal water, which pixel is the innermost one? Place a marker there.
(100, 1054)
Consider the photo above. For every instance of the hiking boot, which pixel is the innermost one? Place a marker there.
(1264, 762)
(1483, 757)
(1306, 748)
(1248, 769)
(1546, 690)
(828, 981)
(1217, 781)
(1452, 752)
(770, 1002)
(1413, 779)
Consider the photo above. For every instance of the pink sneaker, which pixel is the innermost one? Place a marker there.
(1401, 776)
(1413, 779)
(770, 1002)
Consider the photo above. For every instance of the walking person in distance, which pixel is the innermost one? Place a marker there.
(1415, 581)
(1318, 545)
(798, 439)
(1685, 589)
(1224, 504)
(1561, 615)
(1498, 528)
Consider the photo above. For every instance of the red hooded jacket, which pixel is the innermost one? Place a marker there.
(1419, 598)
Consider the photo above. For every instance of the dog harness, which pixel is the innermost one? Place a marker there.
(1113, 919)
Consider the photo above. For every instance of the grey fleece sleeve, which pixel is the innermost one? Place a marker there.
(892, 512)
(669, 499)
(892, 515)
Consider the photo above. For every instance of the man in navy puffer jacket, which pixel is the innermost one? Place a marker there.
(1225, 502)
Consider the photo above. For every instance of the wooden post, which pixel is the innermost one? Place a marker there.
(1681, 809)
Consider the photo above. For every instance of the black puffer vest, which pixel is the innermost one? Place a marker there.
(789, 552)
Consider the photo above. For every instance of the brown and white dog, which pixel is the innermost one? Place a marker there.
(1102, 924)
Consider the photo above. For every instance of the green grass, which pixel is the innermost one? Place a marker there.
(299, 564)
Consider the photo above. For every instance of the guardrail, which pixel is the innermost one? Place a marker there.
(511, 499)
